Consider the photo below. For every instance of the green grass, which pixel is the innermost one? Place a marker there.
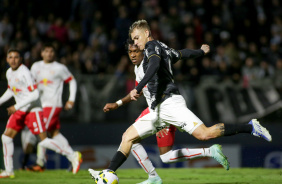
(169, 176)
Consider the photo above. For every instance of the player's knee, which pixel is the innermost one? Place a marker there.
(130, 135)
(6, 139)
(127, 137)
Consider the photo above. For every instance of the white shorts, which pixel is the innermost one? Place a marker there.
(172, 111)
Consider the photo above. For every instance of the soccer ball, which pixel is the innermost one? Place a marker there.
(107, 177)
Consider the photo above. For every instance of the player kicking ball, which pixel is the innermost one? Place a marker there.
(167, 105)
(26, 112)
(165, 137)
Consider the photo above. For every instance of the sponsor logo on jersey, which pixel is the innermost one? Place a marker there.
(45, 82)
(182, 125)
(15, 90)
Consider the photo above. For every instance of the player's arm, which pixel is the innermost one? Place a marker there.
(72, 88)
(6, 96)
(190, 53)
(113, 106)
(153, 66)
(33, 94)
(69, 79)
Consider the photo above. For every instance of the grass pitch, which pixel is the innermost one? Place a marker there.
(169, 176)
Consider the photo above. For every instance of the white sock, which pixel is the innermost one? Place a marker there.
(41, 159)
(182, 155)
(8, 152)
(56, 146)
(207, 152)
(141, 155)
(64, 142)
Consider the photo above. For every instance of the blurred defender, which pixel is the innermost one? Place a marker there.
(26, 112)
(50, 77)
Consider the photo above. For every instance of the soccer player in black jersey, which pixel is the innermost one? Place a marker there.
(168, 106)
(166, 136)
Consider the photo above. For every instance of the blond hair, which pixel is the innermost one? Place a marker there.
(139, 24)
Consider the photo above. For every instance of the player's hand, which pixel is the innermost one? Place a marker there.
(110, 106)
(162, 133)
(69, 105)
(205, 48)
(133, 95)
(11, 110)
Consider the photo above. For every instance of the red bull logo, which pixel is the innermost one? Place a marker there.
(45, 82)
(15, 90)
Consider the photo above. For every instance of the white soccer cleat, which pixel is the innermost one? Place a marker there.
(76, 162)
(259, 130)
(94, 174)
(154, 180)
(5, 174)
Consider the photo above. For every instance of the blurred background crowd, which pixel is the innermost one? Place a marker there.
(245, 36)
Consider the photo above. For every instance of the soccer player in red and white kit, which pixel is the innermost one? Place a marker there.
(165, 137)
(27, 111)
(50, 77)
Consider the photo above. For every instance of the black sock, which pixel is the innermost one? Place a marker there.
(231, 129)
(117, 161)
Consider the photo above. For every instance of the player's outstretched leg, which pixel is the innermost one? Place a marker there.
(141, 156)
(76, 161)
(259, 130)
(216, 153)
(74, 156)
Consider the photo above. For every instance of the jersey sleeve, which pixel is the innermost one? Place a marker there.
(6, 96)
(65, 74)
(175, 56)
(29, 81)
(152, 49)
(33, 71)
